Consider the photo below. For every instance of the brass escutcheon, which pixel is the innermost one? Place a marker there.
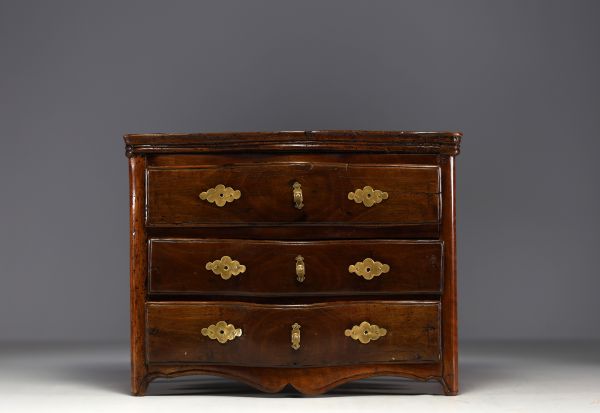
(226, 267)
(367, 196)
(300, 268)
(297, 192)
(365, 332)
(222, 332)
(220, 195)
(369, 268)
(295, 336)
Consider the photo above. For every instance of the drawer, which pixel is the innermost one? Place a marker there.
(251, 267)
(322, 334)
(326, 193)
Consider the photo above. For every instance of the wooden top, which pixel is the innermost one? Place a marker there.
(446, 143)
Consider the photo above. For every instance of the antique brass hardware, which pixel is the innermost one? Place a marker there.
(297, 191)
(220, 195)
(300, 268)
(365, 332)
(369, 268)
(225, 267)
(368, 196)
(222, 332)
(295, 336)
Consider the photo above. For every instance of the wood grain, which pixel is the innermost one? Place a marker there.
(299, 141)
(171, 301)
(178, 266)
(186, 160)
(308, 380)
(266, 194)
(449, 299)
(138, 271)
(173, 333)
(299, 233)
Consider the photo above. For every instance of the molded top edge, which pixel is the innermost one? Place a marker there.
(447, 143)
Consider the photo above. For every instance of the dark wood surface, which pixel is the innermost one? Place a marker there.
(446, 143)
(178, 266)
(449, 300)
(138, 272)
(187, 160)
(307, 380)
(173, 333)
(172, 294)
(267, 194)
(301, 232)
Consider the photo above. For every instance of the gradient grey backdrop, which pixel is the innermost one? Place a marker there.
(519, 78)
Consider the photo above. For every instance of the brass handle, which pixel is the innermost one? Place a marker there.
(220, 195)
(295, 336)
(367, 196)
(297, 190)
(366, 332)
(369, 268)
(300, 268)
(222, 332)
(226, 267)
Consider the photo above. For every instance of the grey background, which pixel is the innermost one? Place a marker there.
(519, 78)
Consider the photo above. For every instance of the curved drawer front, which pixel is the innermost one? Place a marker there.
(250, 267)
(293, 194)
(324, 334)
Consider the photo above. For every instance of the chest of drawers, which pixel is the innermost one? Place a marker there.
(304, 258)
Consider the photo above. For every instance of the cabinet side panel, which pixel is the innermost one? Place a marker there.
(449, 312)
(138, 270)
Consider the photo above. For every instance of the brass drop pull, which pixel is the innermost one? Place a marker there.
(300, 268)
(220, 195)
(365, 332)
(369, 268)
(297, 190)
(295, 336)
(222, 332)
(225, 267)
(367, 196)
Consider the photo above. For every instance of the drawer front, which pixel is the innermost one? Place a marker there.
(330, 193)
(198, 266)
(324, 334)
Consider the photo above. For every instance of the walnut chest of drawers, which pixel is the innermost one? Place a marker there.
(303, 258)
